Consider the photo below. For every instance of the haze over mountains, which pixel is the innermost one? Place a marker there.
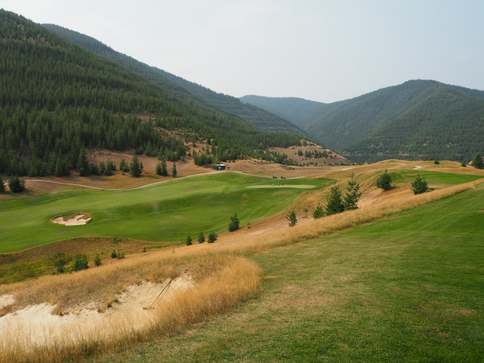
(417, 119)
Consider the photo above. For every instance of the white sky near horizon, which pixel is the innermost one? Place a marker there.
(321, 50)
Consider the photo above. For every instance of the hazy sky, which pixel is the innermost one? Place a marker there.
(321, 50)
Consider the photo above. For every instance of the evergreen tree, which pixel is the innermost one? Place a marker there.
(212, 237)
(384, 181)
(123, 166)
(352, 195)
(419, 185)
(158, 169)
(164, 168)
(15, 184)
(2, 185)
(292, 218)
(83, 164)
(201, 237)
(234, 223)
(135, 167)
(174, 172)
(318, 212)
(477, 162)
(335, 201)
(188, 241)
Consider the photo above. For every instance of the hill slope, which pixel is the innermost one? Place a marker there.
(299, 111)
(258, 117)
(57, 99)
(417, 119)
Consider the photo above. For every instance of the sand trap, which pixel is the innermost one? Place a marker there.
(133, 310)
(418, 167)
(78, 220)
(6, 300)
(300, 186)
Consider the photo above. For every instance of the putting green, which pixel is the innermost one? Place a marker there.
(165, 212)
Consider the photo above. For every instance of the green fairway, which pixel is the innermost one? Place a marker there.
(433, 177)
(164, 212)
(409, 288)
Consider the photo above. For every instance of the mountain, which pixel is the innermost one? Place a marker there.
(258, 117)
(58, 101)
(419, 119)
(299, 111)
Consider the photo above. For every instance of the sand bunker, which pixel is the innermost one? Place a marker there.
(77, 220)
(133, 310)
(300, 186)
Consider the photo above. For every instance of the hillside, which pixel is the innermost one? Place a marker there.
(57, 100)
(417, 119)
(258, 117)
(299, 111)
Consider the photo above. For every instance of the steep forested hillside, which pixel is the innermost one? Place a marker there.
(299, 111)
(260, 118)
(417, 119)
(56, 100)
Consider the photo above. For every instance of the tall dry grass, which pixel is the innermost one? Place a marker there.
(234, 279)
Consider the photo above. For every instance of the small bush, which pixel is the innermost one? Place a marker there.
(97, 260)
(292, 218)
(384, 181)
(114, 254)
(116, 240)
(234, 223)
(419, 185)
(121, 255)
(212, 237)
(16, 185)
(477, 162)
(436, 162)
(318, 212)
(60, 262)
(188, 241)
(2, 185)
(201, 237)
(81, 263)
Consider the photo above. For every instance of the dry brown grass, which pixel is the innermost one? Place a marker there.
(222, 281)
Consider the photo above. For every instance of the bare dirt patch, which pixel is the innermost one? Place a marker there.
(6, 300)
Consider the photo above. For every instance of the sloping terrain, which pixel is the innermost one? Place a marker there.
(258, 117)
(415, 120)
(58, 99)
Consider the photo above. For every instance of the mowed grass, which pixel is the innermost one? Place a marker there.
(433, 177)
(407, 288)
(164, 212)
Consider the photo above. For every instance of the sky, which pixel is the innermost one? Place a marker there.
(315, 49)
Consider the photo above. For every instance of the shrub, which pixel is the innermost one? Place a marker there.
(292, 218)
(2, 185)
(121, 255)
(335, 201)
(135, 168)
(212, 237)
(436, 162)
(97, 260)
(114, 254)
(234, 223)
(15, 184)
(201, 237)
(116, 240)
(384, 181)
(188, 241)
(477, 162)
(419, 185)
(318, 212)
(81, 263)
(352, 195)
(60, 262)
(173, 170)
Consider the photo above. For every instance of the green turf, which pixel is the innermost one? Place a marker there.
(409, 288)
(165, 212)
(433, 177)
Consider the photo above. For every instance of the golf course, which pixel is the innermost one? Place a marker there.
(166, 212)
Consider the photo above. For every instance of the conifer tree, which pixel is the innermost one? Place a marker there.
(164, 168)
(83, 164)
(318, 212)
(352, 195)
(234, 223)
(201, 237)
(135, 167)
(419, 185)
(477, 162)
(292, 218)
(2, 185)
(335, 201)
(384, 181)
(174, 172)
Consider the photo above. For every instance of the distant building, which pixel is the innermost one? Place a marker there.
(220, 166)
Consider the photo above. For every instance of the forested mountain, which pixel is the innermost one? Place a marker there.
(260, 118)
(417, 119)
(299, 111)
(57, 100)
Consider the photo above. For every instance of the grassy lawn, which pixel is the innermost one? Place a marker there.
(433, 177)
(407, 288)
(165, 212)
